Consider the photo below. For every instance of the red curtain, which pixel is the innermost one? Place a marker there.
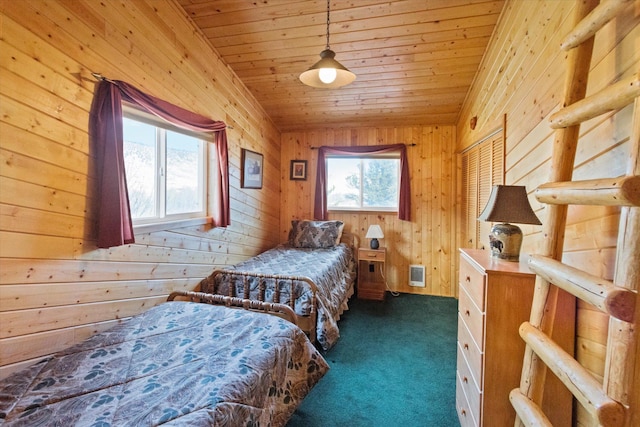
(404, 209)
(115, 227)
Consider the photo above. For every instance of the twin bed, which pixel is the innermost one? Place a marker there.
(198, 364)
(313, 273)
(179, 363)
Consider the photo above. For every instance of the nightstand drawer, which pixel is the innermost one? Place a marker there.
(473, 318)
(472, 354)
(371, 255)
(474, 282)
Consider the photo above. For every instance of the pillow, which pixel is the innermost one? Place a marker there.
(315, 234)
(297, 224)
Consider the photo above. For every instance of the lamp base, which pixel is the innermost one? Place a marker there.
(375, 244)
(505, 241)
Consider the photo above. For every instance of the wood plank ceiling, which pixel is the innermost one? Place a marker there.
(414, 59)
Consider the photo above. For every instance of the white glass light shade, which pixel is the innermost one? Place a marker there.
(315, 76)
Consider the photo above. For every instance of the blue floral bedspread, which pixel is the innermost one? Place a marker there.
(179, 363)
(333, 270)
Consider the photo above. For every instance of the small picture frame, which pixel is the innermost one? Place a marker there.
(298, 170)
(251, 169)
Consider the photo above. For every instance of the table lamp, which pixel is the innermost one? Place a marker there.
(374, 233)
(507, 203)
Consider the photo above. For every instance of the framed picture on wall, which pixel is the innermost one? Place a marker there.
(251, 172)
(298, 170)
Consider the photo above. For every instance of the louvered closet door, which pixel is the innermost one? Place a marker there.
(482, 168)
(469, 199)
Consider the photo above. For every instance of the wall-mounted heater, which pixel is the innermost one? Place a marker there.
(416, 275)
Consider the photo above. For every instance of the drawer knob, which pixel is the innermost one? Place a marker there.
(465, 380)
(468, 279)
(466, 346)
(463, 413)
(467, 312)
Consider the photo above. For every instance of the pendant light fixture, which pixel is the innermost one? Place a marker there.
(327, 72)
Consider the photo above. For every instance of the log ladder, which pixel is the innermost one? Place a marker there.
(609, 402)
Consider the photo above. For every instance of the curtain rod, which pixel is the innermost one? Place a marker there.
(408, 145)
(100, 77)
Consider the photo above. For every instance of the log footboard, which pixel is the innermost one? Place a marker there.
(307, 323)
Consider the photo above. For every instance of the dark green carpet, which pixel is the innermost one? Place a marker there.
(394, 365)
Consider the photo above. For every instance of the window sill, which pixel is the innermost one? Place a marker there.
(169, 225)
(364, 210)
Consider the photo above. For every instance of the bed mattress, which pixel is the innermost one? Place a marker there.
(179, 363)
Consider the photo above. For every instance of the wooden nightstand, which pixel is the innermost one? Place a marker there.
(371, 281)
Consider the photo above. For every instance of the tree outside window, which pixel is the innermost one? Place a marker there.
(356, 183)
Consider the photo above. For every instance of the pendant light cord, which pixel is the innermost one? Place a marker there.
(328, 21)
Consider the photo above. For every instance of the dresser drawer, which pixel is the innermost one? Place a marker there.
(469, 385)
(462, 407)
(473, 318)
(472, 353)
(473, 281)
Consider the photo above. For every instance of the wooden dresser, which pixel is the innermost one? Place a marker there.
(495, 298)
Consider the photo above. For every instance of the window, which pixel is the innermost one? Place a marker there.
(363, 183)
(165, 168)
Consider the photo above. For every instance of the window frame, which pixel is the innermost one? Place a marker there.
(360, 158)
(162, 220)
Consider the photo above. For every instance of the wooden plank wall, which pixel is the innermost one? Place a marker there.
(522, 76)
(56, 287)
(429, 238)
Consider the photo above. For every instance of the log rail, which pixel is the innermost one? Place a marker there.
(608, 402)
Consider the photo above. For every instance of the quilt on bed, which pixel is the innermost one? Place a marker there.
(179, 363)
(332, 269)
